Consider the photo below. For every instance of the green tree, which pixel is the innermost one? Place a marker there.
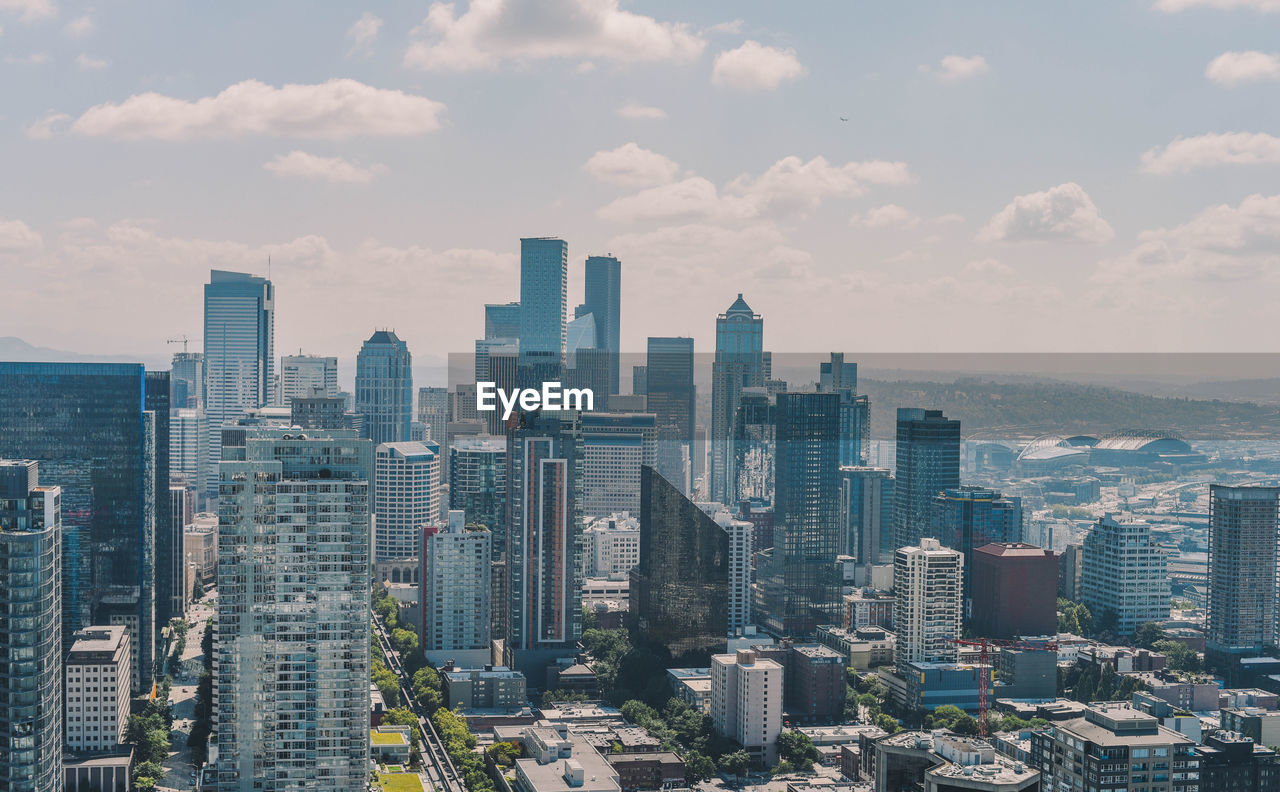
(404, 641)
(797, 750)
(1179, 656)
(403, 716)
(966, 724)
(888, 723)
(1147, 634)
(505, 754)
(698, 767)
(736, 764)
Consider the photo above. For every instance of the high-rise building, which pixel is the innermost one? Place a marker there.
(239, 353)
(30, 630)
(1114, 746)
(837, 376)
(455, 592)
(97, 674)
(673, 399)
(1013, 590)
(741, 569)
(384, 387)
(433, 410)
(803, 585)
(966, 518)
(754, 444)
(406, 496)
(866, 504)
(926, 616)
(1244, 525)
(292, 630)
(1123, 572)
(186, 380)
(478, 484)
(318, 410)
(603, 300)
(746, 702)
(502, 320)
(614, 446)
(87, 426)
(740, 362)
(189, 446)
(928, 462)
(544, 302)
(610, 546)
(302, 375)
(544, 526)
(170, 570)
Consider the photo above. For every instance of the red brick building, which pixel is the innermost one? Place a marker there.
(1015, 590)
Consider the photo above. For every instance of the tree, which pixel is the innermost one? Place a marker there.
(798, 750)
(1179, 656)
(736, 764)
(197, 590)
(698, 767)
(403, 716)
(966, 725)
(888, 723)
(1147, 634)
(505, 754)
(404, 641)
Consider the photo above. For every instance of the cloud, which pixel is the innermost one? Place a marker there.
(334, 110)
(949, 219)
(90, 64)
(34, 59)
(632, 166)
(301, 165)
(30, 10)
(756, 67)
(1230, 148)
(492, 31)
(954, 68)
(1063, 213)
(636, 111)
(18, 237)
(694, 197)
(1174, 6)
(733, 27)
(988, 266)
(79, 27)
(887, 216)
(44, 128)
(363, 35)
(1236, 68)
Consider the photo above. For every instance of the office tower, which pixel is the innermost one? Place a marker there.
(384, 387)
(87, 426)
(239, 353)
(544, 525)
(672, 398)
(965, 518)
(303, 375)
(189, 446)
(1114, 746)
(614, 446)
(681, 588)
(866, 502)
(186, 380)
(603, 300)
(1013, 590)
(504, 371)
(587, 368)
(746, 702)
(802, 584)
(740, 362)
(478, 484)
(928, 462)
(754, 445)
(741, 570)
(406, 496)
(502, 320)
(319, 411)
(292, 630)
(455, 592)
(837, 376)
(1123, 572)
(433, 410)
(926, 614)
(610, 546)
(544, 298)
(1244, 523)
(170, 599)
(640, 380)
(97, 673)
(30, 630)
(490, 349)
(580, 333)
(1071, 572)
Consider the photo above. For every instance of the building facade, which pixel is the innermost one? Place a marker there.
(671, 397)
(97, 689)
(927, 609)
(928, 462)
(302, 375)
(740, 362)
(615, 446)
(457, 563)
(478, 484)
(1123, 571)
(1114, 746)
(1244, 523)
(610, 546)
(746, 702)
(1014, 591)
(603, 300)
(406, 496)
(384, 387)
(866, 509)
(965, 518)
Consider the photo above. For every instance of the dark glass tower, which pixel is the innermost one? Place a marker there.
(88, 427)
(837, 376)
(966, 518)
(603, 300)
(384, 388)
(803, 590)
(671, 397)
(928, 463)
(740, 362)
(169, 554)
(478, 485)
(544, 303)
(754, 444)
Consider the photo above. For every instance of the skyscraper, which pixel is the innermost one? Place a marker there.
(1244, 525)
(170, 568)
(86, 425)
(928, 462)
(30, 588)
(672, 398)
(544, 300)
(384, 387)
(455, 592)
(740, 362)
(754, 445)
(866, 503)
(502, 320)
(1123, 574)
(186, 380)
(406, 496)
(966, 518)
(803, 582)
(239, 353)
(603, 300)
(1013, 590)
(478, 485)
(433, 410)
(292, 630)
(301, 375)
(837, 376)
(927, 610)
(615, 446)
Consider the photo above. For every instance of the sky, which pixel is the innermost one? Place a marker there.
(1092, 176)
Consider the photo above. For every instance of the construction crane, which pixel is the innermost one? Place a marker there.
(985, 645)
(182, 339)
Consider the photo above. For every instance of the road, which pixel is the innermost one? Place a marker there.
(438, 767)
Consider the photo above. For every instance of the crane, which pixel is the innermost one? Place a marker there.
(985, 645)
(182, 339)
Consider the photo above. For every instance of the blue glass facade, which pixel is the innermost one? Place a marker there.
(603, 300)
(928, 462)
(544, 296)
(384, 388)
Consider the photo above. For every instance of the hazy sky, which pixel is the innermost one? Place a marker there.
(1023, 176)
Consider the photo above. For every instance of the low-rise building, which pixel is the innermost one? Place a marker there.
(1115, 746)
(560, 761)
(1231, 762)
(491, 687)
(648, 770)
(864, 648)
(1233, 698)
(390, 744)
(692, 686)
(97, 771)
(868, 608)
(1261, 726)
(940, 761)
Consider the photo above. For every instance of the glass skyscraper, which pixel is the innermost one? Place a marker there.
(740, 362)
(671, 397)
(239, 353)
(478, 484)
(169, 563)
(966, 518)
(928, 462)
(384, 388)
(837, 376)
(603, 300)
(544, 297)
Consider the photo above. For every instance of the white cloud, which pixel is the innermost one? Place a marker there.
(491, 31)
(1062, 213)
(34, 59)
(988, 266)
(635, 111)
(333, 110)
(1229, 148)
(632, 166)
(301, 165)
(44, 128)
(1174, 6)
(364, 34)
(949, 219)
(756, 67)
(90, 64)
(30, 10)
(733, 27)
(18, 237)
(1236, 68)
(954, 68)
(887, 216)
(694, 198)
(79, 27)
